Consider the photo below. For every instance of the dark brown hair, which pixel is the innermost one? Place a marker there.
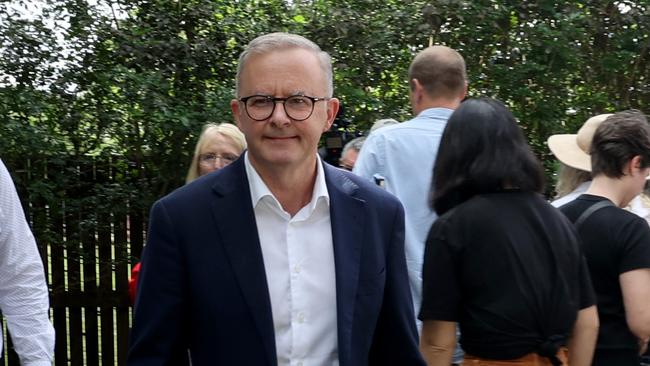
(617, 140)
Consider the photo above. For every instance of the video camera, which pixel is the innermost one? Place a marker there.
(335, 139)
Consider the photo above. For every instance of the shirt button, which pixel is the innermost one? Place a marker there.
(301, 318)
(296, 269)
(299, 363)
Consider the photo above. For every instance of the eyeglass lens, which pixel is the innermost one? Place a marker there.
(296, 107)
(212, 158)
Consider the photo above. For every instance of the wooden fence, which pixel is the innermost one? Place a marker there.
(89, 223)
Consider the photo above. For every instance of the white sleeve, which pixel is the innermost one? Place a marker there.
(24, 299)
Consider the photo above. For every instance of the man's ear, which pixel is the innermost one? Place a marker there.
(415, 85)
(417, 90)
(636, 162)
(633, 166)
(333, 105)
(464, 92)
(234, 107)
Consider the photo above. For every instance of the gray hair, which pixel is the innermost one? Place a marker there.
(382, 123)
(275, 41)
(354, 144)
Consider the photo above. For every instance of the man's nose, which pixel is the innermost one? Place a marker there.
(279, 115)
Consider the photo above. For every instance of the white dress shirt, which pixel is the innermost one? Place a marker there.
(23, 291)
(298, 257)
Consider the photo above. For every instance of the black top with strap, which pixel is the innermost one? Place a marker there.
(512, 274)
(551, 346)
(614, 241)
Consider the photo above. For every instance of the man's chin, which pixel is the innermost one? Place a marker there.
(277, 158)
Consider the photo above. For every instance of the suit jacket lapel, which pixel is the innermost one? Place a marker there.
(235, 220)
(347, 218)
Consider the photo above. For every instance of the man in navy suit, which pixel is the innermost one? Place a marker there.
(278, 258)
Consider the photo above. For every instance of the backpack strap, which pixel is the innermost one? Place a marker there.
(588, 212)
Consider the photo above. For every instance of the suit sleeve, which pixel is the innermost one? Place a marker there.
(158, 334)
(396, 341)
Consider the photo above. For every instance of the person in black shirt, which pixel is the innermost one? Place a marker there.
(500, 260)
(616, 242)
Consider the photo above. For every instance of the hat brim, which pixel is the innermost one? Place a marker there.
(565, 148)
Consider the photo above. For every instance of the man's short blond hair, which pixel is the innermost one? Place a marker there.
(440, 70)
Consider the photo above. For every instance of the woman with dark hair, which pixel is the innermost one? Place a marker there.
(500, 261)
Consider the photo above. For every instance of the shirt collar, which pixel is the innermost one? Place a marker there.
(259, 189)
(320, 192)
(436, 112)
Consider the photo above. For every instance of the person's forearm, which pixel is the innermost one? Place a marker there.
(28, 316)
(24, 297)
(437, 356)
(437, 342)
(583, 340)
(635, 286)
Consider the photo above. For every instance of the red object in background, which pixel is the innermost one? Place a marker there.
(133, 282)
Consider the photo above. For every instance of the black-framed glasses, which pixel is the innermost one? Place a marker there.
(297, 107)
(211, 158)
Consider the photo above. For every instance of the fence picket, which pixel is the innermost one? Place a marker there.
(121, 283)
(87, 244)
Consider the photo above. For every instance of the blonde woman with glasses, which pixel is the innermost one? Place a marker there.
(218, 146)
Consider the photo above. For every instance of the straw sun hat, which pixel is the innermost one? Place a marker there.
(573, 149)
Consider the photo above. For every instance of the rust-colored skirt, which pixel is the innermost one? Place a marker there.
(531, 359)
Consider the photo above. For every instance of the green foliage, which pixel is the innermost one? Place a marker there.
(139, 79)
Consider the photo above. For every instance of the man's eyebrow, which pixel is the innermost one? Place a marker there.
(257, 92)
(293, 92)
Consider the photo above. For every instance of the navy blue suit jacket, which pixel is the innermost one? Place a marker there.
(203, 286)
